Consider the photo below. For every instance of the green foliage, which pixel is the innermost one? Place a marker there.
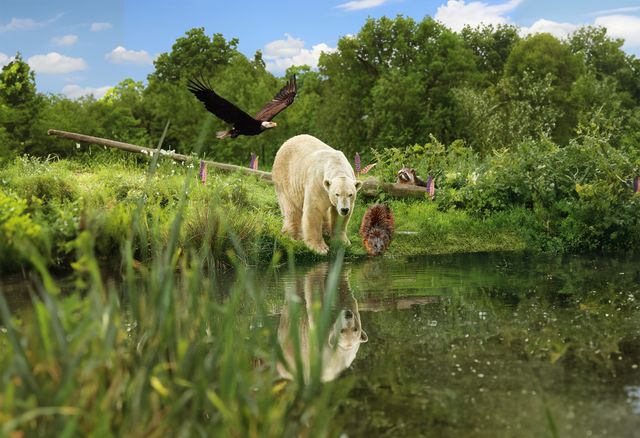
(575, 198)
(19, 105)
(526, 121)
(16, 227)
(17, 83)
(171, 351)
(395, 83)
(543, 58)
(492, 46)
(391, 83)
(193, 55)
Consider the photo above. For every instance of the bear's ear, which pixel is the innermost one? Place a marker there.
(358, 185)
(327, 184)
(363, 337)
(331, 339)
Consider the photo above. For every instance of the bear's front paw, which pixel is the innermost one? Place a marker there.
(319, 247)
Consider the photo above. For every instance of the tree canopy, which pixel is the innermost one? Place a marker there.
(396, 82)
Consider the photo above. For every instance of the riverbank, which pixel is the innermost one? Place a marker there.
(46, 203)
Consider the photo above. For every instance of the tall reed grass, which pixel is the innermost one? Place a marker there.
(167, 352)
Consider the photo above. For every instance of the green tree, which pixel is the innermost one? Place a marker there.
(603, 56)
(20, 104)
(193, 55)
(243, 82)
(608, 92)
(391, 84)
(121, 111)
(491, 46)
(535, 60)
(302, 116)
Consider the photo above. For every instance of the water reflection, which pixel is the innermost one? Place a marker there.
(497, 345)
(300, 325)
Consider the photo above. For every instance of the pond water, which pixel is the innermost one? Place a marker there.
(490, 345)
(473, 345)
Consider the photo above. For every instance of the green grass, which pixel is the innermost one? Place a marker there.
(423, 229)
(171, 354)
(101, 193)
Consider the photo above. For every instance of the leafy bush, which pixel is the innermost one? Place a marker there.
(17, 229)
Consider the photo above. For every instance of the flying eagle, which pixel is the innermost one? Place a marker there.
(242, 123)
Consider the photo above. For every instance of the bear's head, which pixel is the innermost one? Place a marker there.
(342, 193)
(347, 332)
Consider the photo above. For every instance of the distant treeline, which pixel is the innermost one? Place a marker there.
(395, 83)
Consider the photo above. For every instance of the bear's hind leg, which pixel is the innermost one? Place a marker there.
(291, 216)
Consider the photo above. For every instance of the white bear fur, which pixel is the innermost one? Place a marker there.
(343, 341)
(315, 185)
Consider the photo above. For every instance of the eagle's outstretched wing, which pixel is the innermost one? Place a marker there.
(218, 105)
(280, 101)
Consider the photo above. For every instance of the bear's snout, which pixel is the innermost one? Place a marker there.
(348, 314)
(344, 211)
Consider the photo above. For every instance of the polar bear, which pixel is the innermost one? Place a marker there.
(316, 189)
(304, 297)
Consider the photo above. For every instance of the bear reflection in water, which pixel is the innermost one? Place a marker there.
(304, 297)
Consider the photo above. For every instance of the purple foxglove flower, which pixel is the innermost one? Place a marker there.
(431, 187)
(252, 160)
(358, 163)
(203, 172)
(636, 184)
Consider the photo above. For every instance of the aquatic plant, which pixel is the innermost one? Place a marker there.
(171, 353)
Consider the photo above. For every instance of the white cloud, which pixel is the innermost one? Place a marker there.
(559, 30)
(457, 13)
(622, 26)
(66, 40)
(97, 27)
(17, 24)
(616, 10)
(5, 59)
(357, 5)
(120, 55)
(55, 63)
(282, 54)
(282, 48)
(76, 91)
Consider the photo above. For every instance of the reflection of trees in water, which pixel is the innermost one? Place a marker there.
(311, 331)
(530, 336)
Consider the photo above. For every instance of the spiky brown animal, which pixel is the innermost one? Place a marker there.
(377, 229)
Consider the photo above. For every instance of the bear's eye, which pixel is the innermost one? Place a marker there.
(355, 329)
(350, 195)
(337, 194)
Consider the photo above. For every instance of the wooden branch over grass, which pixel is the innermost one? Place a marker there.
(370, 186)
(150, 151)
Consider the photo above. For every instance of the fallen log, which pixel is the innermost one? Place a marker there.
(150, 151)
(370, 186)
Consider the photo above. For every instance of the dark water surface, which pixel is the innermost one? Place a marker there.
(476, 345)
(493, 345)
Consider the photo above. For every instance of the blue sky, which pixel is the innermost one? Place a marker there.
(78, 47)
